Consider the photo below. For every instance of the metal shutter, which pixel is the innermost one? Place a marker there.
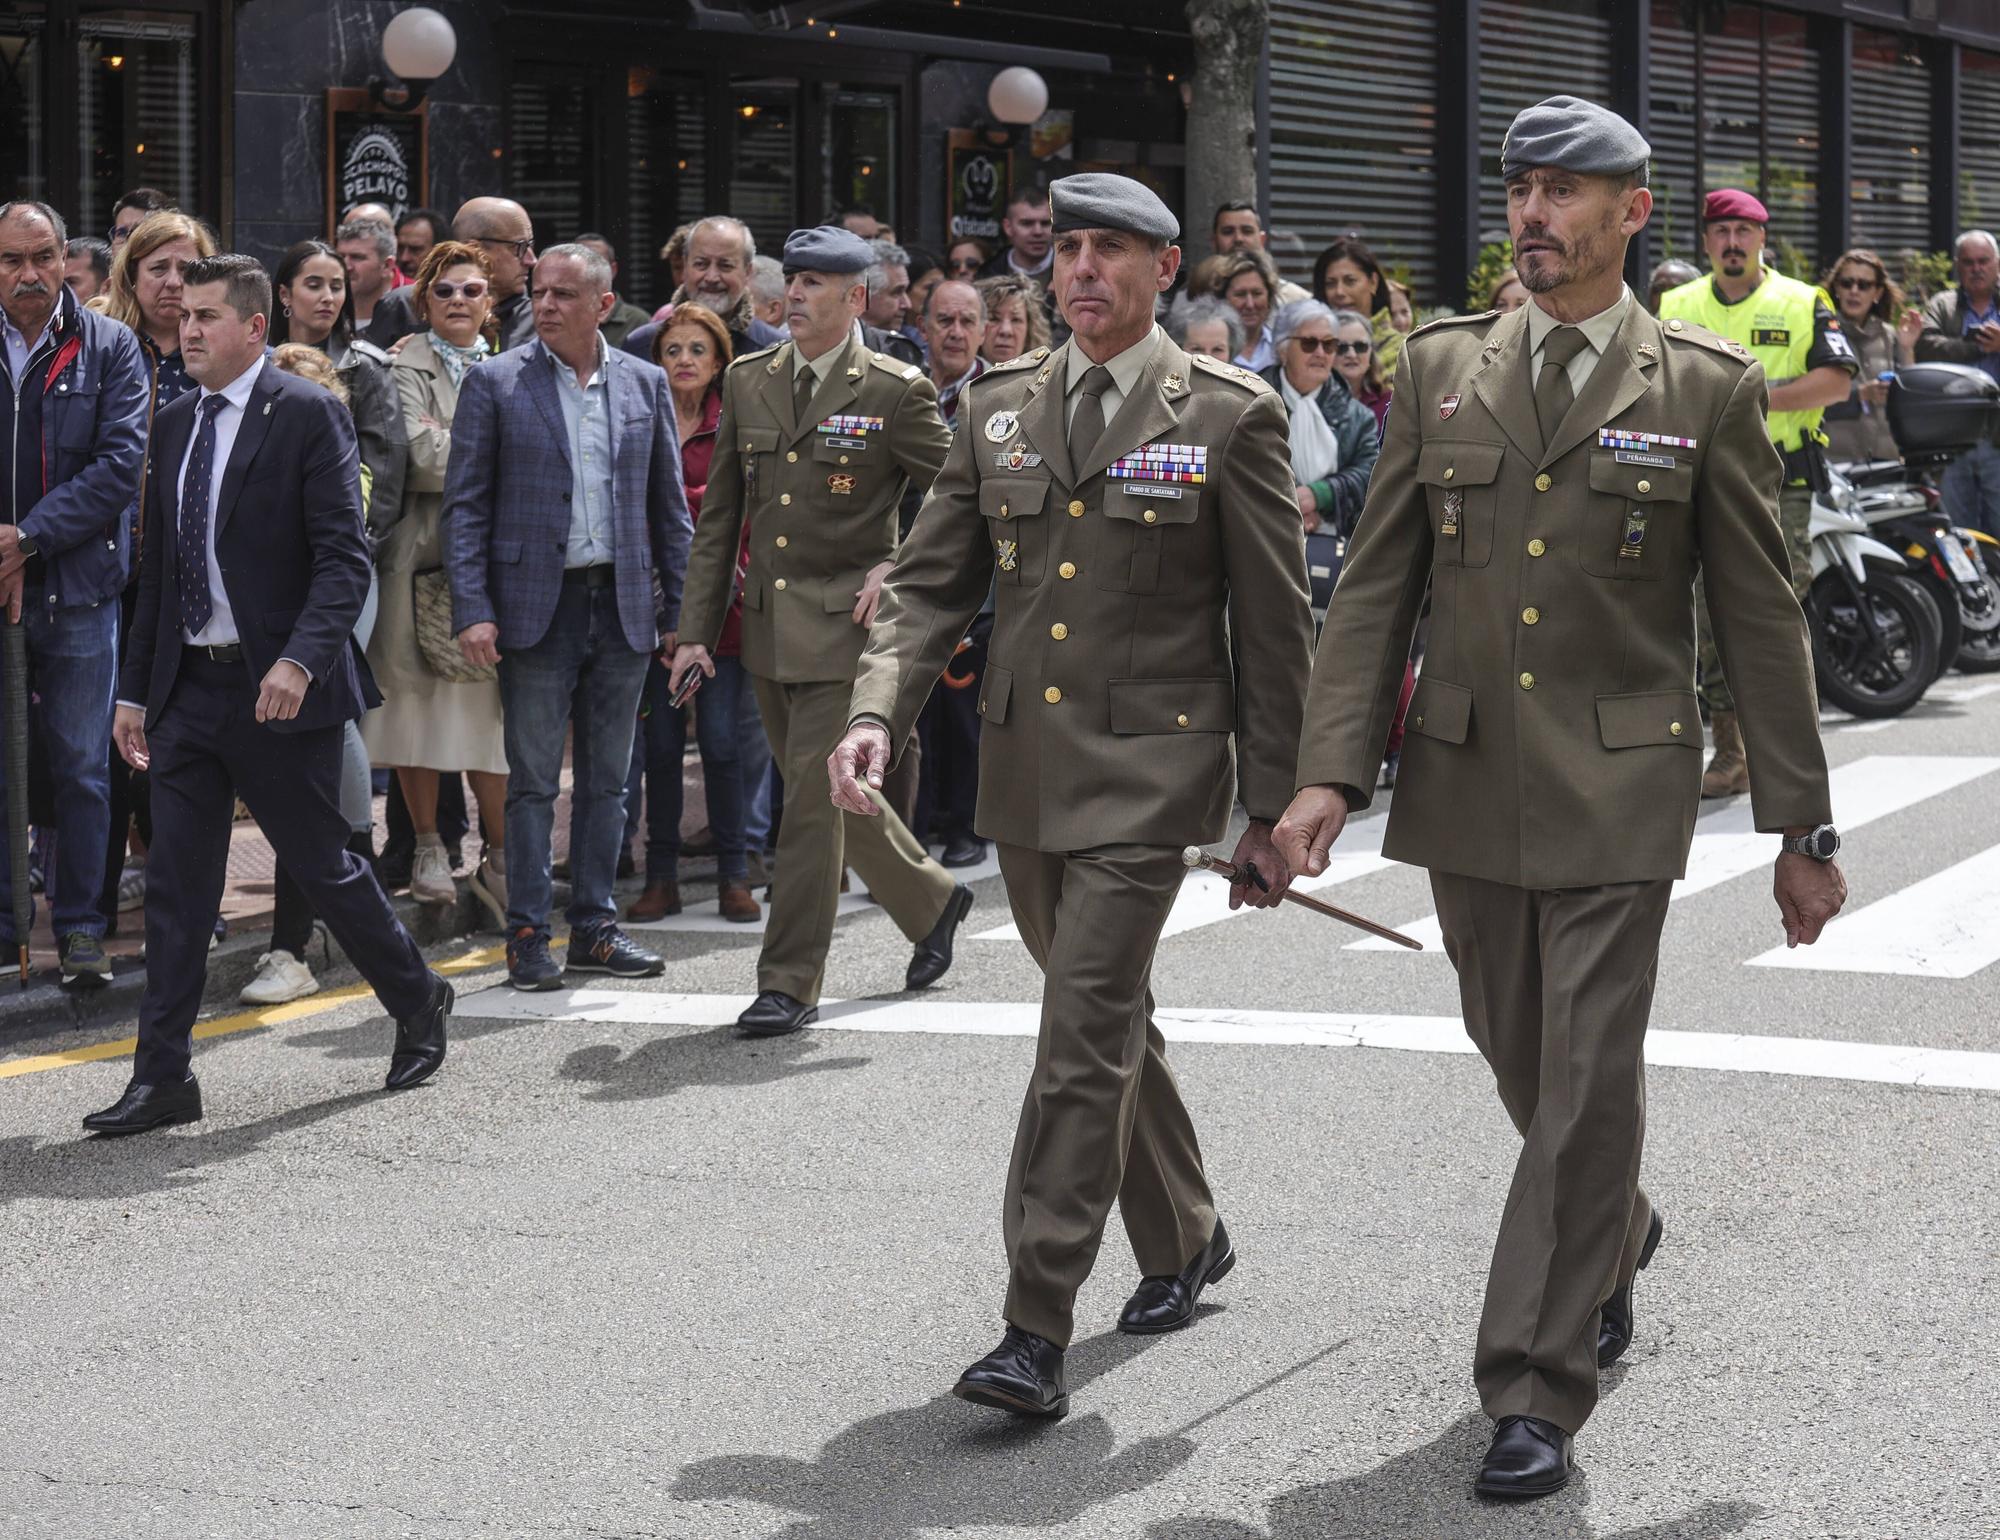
(1528, 52)
(1791, 127)
(1979, 140)
(1892, 144)
(1354, 132)
(1671, 130)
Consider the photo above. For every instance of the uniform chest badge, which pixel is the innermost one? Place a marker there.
(1001, 426)
(1454, 505)
(840, 484)
(1447, 406)
(1016, 459)
(1007, 554)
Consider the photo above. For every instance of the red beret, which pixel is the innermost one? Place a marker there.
(1733, 203)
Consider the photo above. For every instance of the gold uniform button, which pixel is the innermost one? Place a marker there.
(791, 457)
(1536, 548)
(1003, 510)
(783, 542)
(1052, 695)
(1674, 326)
(1151, 517)
(1449, 473)
(784, 499)
(1544, 481)
(779, 585)
(1645, 486)
(1059, 630)
(1182, 719)
(1067, 569)
(843, 459)
(1527, 681)
(1076, 510)
(1531, 616)
(1674, 728)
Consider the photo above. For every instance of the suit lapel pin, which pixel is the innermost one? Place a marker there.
(1447, 406)
(1173, 384)
(854, 373)
(1647, 350)
(267, 409)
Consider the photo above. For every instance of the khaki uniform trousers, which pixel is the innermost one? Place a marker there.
(1795, 514)
(1556, 988)
(1103, 1118)
(816, 839)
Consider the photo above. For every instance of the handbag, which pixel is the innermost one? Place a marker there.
(437, 637)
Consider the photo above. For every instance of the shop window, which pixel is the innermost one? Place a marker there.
(552, 147)
(22, 153)
(136, 84)
(667, 154)
(1891, 143)
(764, 168)
(859, 151)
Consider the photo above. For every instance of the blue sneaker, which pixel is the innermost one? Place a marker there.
(83, 961)
(529, 965)
(607, 949)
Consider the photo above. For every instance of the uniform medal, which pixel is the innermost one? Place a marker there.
(1454, 504)
(840, 484)
(1001, 425)
(1006, 555)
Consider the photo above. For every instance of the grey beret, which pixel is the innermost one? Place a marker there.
(827, 249)
(1103, 200)
(1571, 134)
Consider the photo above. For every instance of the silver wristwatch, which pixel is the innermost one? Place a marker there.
(1822, 843)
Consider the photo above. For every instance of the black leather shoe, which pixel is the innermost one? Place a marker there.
(1166, 1303)
(1527, 1458)
(774, 1013)
(148, 1106)
(1023, 1375)
(933, 954)
(1614, 1327)
(420, 1039)
(963, 850)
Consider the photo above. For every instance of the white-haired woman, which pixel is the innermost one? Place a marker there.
(1204, 324)
(1333, 435)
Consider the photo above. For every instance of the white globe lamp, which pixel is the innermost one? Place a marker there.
(1018, 95)
(418, 45)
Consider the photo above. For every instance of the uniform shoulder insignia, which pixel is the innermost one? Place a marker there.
(1678, 330)
(1019, 361)
(744, 358)
(1455, 320)
(1231, 372)
(894, 365)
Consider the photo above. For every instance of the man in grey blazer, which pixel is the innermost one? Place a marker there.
(566, 536)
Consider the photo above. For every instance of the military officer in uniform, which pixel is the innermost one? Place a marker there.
(1553, 477)
(818, 439)
(1134, 503)
(1792, 329)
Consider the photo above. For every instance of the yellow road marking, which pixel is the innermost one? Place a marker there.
(241, 1021)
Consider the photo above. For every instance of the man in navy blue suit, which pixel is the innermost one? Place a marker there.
(241, 670)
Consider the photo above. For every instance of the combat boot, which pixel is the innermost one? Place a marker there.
(1728, 774)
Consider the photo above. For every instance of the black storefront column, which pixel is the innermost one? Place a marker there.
(1946, 157)
(1836, 152)
(1631, 69)
(1458, 170)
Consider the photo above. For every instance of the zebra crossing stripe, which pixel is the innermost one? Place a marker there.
(1946, 926)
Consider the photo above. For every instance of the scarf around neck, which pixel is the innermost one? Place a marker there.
(457, 360)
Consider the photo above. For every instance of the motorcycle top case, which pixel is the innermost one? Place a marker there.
(1942, 408)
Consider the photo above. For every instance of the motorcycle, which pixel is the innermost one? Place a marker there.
(1901, 507)
(1877, 634)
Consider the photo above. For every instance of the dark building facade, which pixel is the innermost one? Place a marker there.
(1871, 121)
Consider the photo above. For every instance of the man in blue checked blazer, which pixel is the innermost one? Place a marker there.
(566, 536)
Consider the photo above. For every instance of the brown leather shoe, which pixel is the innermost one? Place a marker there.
(658, 901)
(735, 904)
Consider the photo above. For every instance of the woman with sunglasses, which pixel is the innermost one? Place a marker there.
(1355, 362)
(1883, 332)
(1333, 435)
(966, 258)
(430, 726)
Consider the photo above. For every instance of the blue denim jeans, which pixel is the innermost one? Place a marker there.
(659, 753)
(73, 654)
(582, 673)
(1971, 489)
(753, 760)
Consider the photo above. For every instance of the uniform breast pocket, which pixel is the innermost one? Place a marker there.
(1014, 509)
(758, 446)
(1143, 540)
(853, 451)
(1637, 526)
(1458, 478)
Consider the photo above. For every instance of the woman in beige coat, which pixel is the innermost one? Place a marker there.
(427, 724)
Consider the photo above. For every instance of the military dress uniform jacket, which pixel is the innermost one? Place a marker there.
(819, 493)
(1553, 740)
(1113, 710)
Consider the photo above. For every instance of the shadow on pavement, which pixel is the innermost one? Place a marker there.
(88, 1169)
(946, 1465)
(717, 1057)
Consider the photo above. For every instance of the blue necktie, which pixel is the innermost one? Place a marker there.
(191, 530)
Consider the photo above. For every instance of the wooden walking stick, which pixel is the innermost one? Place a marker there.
(1195, 856)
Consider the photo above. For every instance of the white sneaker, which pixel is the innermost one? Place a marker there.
(131, 889)
(430, 873)
(280, 977)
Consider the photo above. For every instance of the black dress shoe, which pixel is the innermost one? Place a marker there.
(1527, 1458)
(148, 1106)
(774, 1013)
(963, 850)
(1023, 1375)
(1166, 1303)
(933, 954)
(420, 1039)
(1614, 1327)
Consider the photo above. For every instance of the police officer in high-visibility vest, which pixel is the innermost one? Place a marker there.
(1791, 328)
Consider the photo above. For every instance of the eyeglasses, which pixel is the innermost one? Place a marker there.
(1349, 349)
(119, 233)
(1314, 344)
(964, 264)
(1856, 285)
(472, 288)
(524, 251)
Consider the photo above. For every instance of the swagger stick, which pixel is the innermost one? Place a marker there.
(1195, 856)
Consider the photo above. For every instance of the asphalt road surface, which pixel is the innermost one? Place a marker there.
(618, 1273)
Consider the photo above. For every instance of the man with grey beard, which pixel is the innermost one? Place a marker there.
(721, 253)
